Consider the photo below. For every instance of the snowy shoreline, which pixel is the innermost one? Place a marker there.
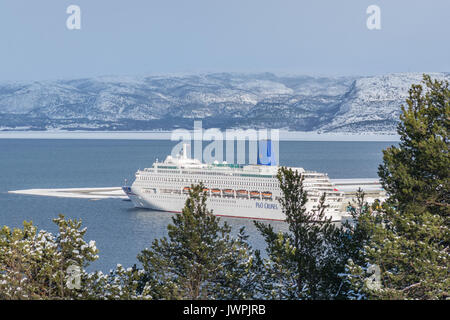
(166, 135)
(81, 193)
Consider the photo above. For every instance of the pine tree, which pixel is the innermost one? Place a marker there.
(409, 245)
(306, 262)
(416, 173)
(357, 233)
(34, 265)
(39, 265)
(199, 259)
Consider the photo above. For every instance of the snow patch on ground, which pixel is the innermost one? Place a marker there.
(81, 193)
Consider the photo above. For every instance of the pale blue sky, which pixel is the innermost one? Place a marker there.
(137, 37)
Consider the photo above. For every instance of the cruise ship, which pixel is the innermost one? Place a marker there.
(241, 191)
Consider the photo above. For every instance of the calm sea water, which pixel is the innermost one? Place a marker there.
(121, 231)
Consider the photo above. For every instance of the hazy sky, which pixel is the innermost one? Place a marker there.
(138, 37)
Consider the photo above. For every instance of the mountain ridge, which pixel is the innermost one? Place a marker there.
(352, 104)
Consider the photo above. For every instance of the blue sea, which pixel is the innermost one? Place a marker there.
(120, 230)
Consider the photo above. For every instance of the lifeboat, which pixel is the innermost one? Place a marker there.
(267, 195)
(228, 192)
(242, 193)
(186, 190)
(255, 194)
(215, 192)
(206, 190)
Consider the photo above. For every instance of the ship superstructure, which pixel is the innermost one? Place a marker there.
(245, 191)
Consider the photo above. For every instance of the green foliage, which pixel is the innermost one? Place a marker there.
(120, 284)
(410, 236)
(199, 259)
(38, 265)
(304, 263)
(416, 173)
(34, 265)
(358, 231)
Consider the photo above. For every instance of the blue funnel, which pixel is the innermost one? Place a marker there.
(266, 153)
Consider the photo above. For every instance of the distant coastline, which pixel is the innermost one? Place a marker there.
(165, 135)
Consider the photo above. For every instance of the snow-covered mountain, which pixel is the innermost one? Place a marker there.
(223, 100)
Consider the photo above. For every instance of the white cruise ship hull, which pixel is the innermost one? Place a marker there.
(220, 206)
(241, 191)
